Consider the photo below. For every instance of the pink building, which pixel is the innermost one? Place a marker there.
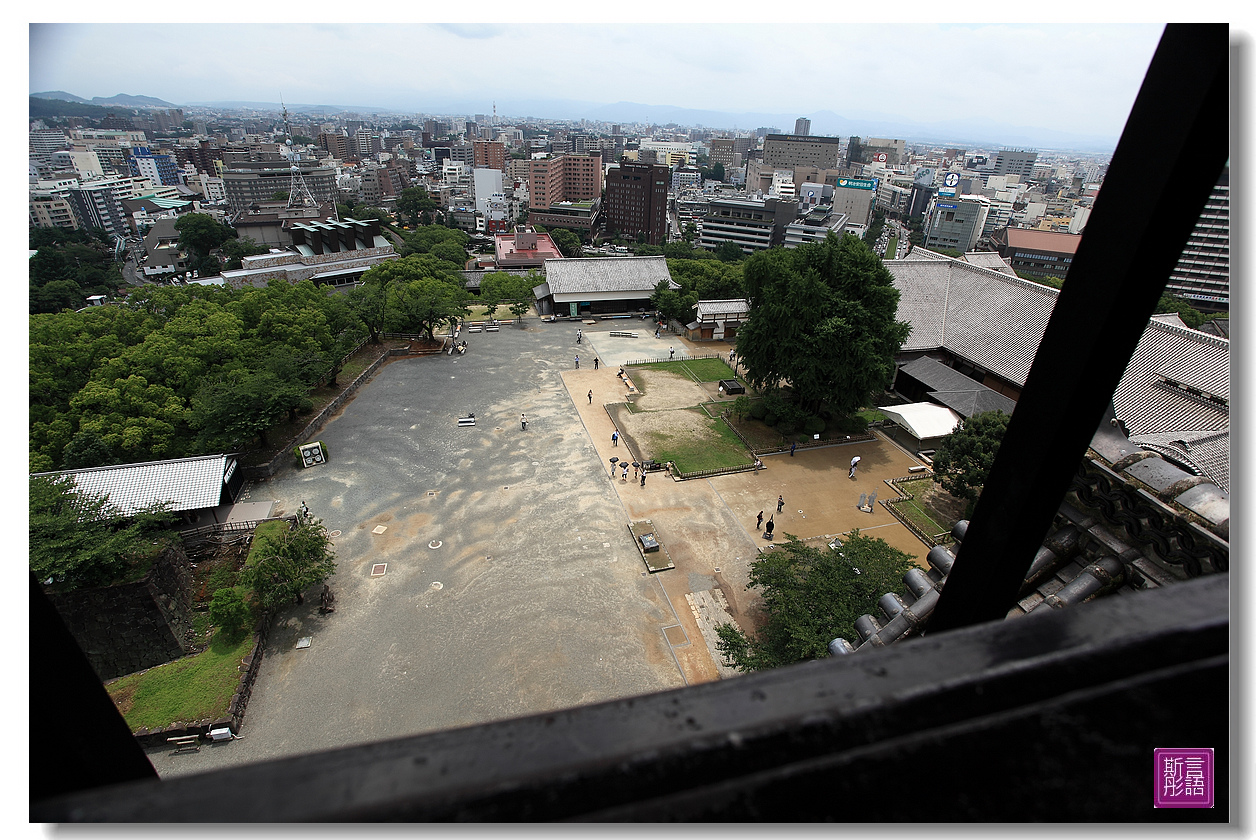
(525, 248)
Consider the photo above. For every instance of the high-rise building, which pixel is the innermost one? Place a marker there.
(785, 151)
(564, 178)
(636, 201)
(99, 205)
(253, 182)
(1202, 273)
(802, 126)
(489, 154)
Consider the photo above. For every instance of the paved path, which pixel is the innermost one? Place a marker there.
(513, 585)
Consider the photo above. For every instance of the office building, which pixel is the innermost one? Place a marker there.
(785, 151)
(252, 182)
(1036, 253)
(856, 198)
(802, 127)
(753, 224)
(489, 154)
(956, 223)
(1015, 162)
(636, 202)
(564, 178)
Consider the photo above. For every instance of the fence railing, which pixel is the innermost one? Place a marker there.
(930, 540)
(204, 533)
(684, 358)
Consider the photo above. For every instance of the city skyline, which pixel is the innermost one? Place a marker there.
(682, 73)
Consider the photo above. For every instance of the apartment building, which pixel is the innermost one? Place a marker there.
(50, 209)
(251, 182)
(1202, 274)
(158, 168)
(99, 205)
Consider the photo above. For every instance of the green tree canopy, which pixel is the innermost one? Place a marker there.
(964, 457)
(568, 243)
(281, 567)
(822, 320)
(414, 202)
(234, 250)
(200, 234)
(78, 540)
(810, 597)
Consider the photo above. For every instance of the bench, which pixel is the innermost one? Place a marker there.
(621, 334)
(185, 742)
(917, 468)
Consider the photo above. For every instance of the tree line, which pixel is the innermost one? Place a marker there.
(175, 371)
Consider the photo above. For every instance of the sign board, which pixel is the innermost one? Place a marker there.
(312, 454)
(880, 157)
(857, 183)
(950, 182)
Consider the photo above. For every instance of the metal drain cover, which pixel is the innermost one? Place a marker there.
(437, 585)
(435, 544)
(378, 569)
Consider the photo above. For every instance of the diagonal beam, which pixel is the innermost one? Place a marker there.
(1174, 146)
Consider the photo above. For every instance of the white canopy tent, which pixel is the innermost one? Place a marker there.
(923, 420)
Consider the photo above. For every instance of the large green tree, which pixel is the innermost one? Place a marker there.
(568, 243)
(810, 597)
(283, 566)
(414, 202)
(964, 457)
(822, 320)
(77, 539)
(200, 234)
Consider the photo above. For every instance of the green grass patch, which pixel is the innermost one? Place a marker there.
(918, 511)
(718, 450)
(193, 688)
(699, 370)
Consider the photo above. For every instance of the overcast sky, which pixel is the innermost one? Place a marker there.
(1049, 75)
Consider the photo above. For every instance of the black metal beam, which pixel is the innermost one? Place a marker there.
(1175, 144)
(1049, 718)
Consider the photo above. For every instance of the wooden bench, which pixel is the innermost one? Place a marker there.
(185, 742)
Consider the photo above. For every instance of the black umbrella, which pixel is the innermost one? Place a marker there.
(614, 459)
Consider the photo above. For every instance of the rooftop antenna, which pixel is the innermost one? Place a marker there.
(299, 195)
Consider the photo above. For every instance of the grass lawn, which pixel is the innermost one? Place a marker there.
(720, 449)
(919, 511)
(193, 688)
(699, 370)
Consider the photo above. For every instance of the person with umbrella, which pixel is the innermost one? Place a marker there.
(854, 462)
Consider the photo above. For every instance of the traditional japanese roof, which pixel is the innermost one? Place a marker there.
(720, 309)
(991, 260)
(607, 275)
(923, 420)
(1178, 379)
(184, 483)
(1205, 453)
(955, 390)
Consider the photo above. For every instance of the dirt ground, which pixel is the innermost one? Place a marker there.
(662, 389)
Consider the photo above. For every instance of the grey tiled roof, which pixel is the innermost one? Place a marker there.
(593, 275)
(989, 318)
(1177, 379)
(716, 308)
(964, 395)
(1205, 452)
(991, 260)
(185, 483)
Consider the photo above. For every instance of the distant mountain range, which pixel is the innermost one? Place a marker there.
(962, 132)
(122, 100)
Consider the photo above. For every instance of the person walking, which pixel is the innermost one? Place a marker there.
(768, 530)
(577, 363)
(792, 447)
(671, 352)
(590, 396)
(643, 478)
(523, 422)
(780, 504)
(615, 438)
(759, 522)
(854, 462)
(625, 477)
(635, 470)
(595, 362)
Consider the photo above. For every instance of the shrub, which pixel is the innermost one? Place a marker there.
(758, 411)
(228, 611)
(222, 577)
(771, 419)
(814, 426)
(787, 427)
